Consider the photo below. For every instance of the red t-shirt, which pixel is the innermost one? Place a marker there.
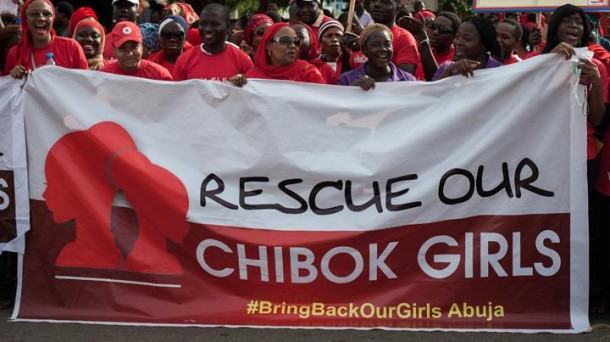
(193, 37)
(148, 69)
(440, 58)
(67, 53)
(108, 51)
(511, 59)
(404, 46)
(197, 63)
(356, 59)
(157, 57)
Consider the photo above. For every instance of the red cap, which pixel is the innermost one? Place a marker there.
(126, 31)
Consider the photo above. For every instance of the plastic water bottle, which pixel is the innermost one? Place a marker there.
(50, 60)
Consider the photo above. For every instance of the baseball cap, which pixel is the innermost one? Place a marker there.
(136, 2)
(126, 31)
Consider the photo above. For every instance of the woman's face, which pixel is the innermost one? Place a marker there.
(571, 29)
(39, 18)
(330, 41)
(378, 49)
(283, 47)
(90, 39)
(468, 43)
(172, 39)
(505, 34)
(258, 35)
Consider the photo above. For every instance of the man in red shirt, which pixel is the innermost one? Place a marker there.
(128, 50)
(406, 54)
(215, 59)
(310, 13)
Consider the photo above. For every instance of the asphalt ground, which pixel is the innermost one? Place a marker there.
(64, 332)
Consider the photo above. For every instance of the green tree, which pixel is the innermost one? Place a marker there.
(463, 8)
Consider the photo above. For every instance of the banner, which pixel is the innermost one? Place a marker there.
(458, 204)
(14, 212)
(537, 5)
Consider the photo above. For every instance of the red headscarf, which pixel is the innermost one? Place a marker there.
(254, 22)
(80, 14)
(264, 69)
(24, 48)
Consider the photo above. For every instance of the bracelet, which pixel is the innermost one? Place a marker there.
(425, 42)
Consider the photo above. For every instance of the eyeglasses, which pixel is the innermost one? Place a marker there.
(441, 29)
(36, 15)
(287, 40)
(169, 35)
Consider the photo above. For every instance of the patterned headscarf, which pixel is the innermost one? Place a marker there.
(187, 12)
(254, 22)
(150, 36)
(366, 33)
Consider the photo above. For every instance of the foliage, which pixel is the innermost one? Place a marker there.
(252, 6)
(463, 8)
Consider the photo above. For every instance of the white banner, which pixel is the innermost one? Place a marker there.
(262, 187)
(14, 208)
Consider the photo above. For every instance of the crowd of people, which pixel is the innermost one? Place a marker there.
(382, 42)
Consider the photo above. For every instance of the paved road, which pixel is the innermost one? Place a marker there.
(66, 332)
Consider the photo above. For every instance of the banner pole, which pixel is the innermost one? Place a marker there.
(350, 15)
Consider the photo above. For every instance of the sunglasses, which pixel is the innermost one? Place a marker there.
(287, 40)
(169, 35)
(441, 29)
(260, 33)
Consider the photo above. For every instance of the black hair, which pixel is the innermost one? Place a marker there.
(216, 7)
(561, 12)
(65, 8)
(8, 18)
(328, 13)
(274, 16)
(526, 36)
(243, 20)
(518, 31)
(487, 31)
(455, 20)
(402, 12)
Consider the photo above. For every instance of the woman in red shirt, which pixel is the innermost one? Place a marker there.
(276, 57)
(38, 39)
(90, 35)
(172, 41)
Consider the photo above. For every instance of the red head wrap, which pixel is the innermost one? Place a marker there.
(78, 15)
(279, 72)
(254, 22)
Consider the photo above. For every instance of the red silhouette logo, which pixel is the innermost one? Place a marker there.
(85, 171)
